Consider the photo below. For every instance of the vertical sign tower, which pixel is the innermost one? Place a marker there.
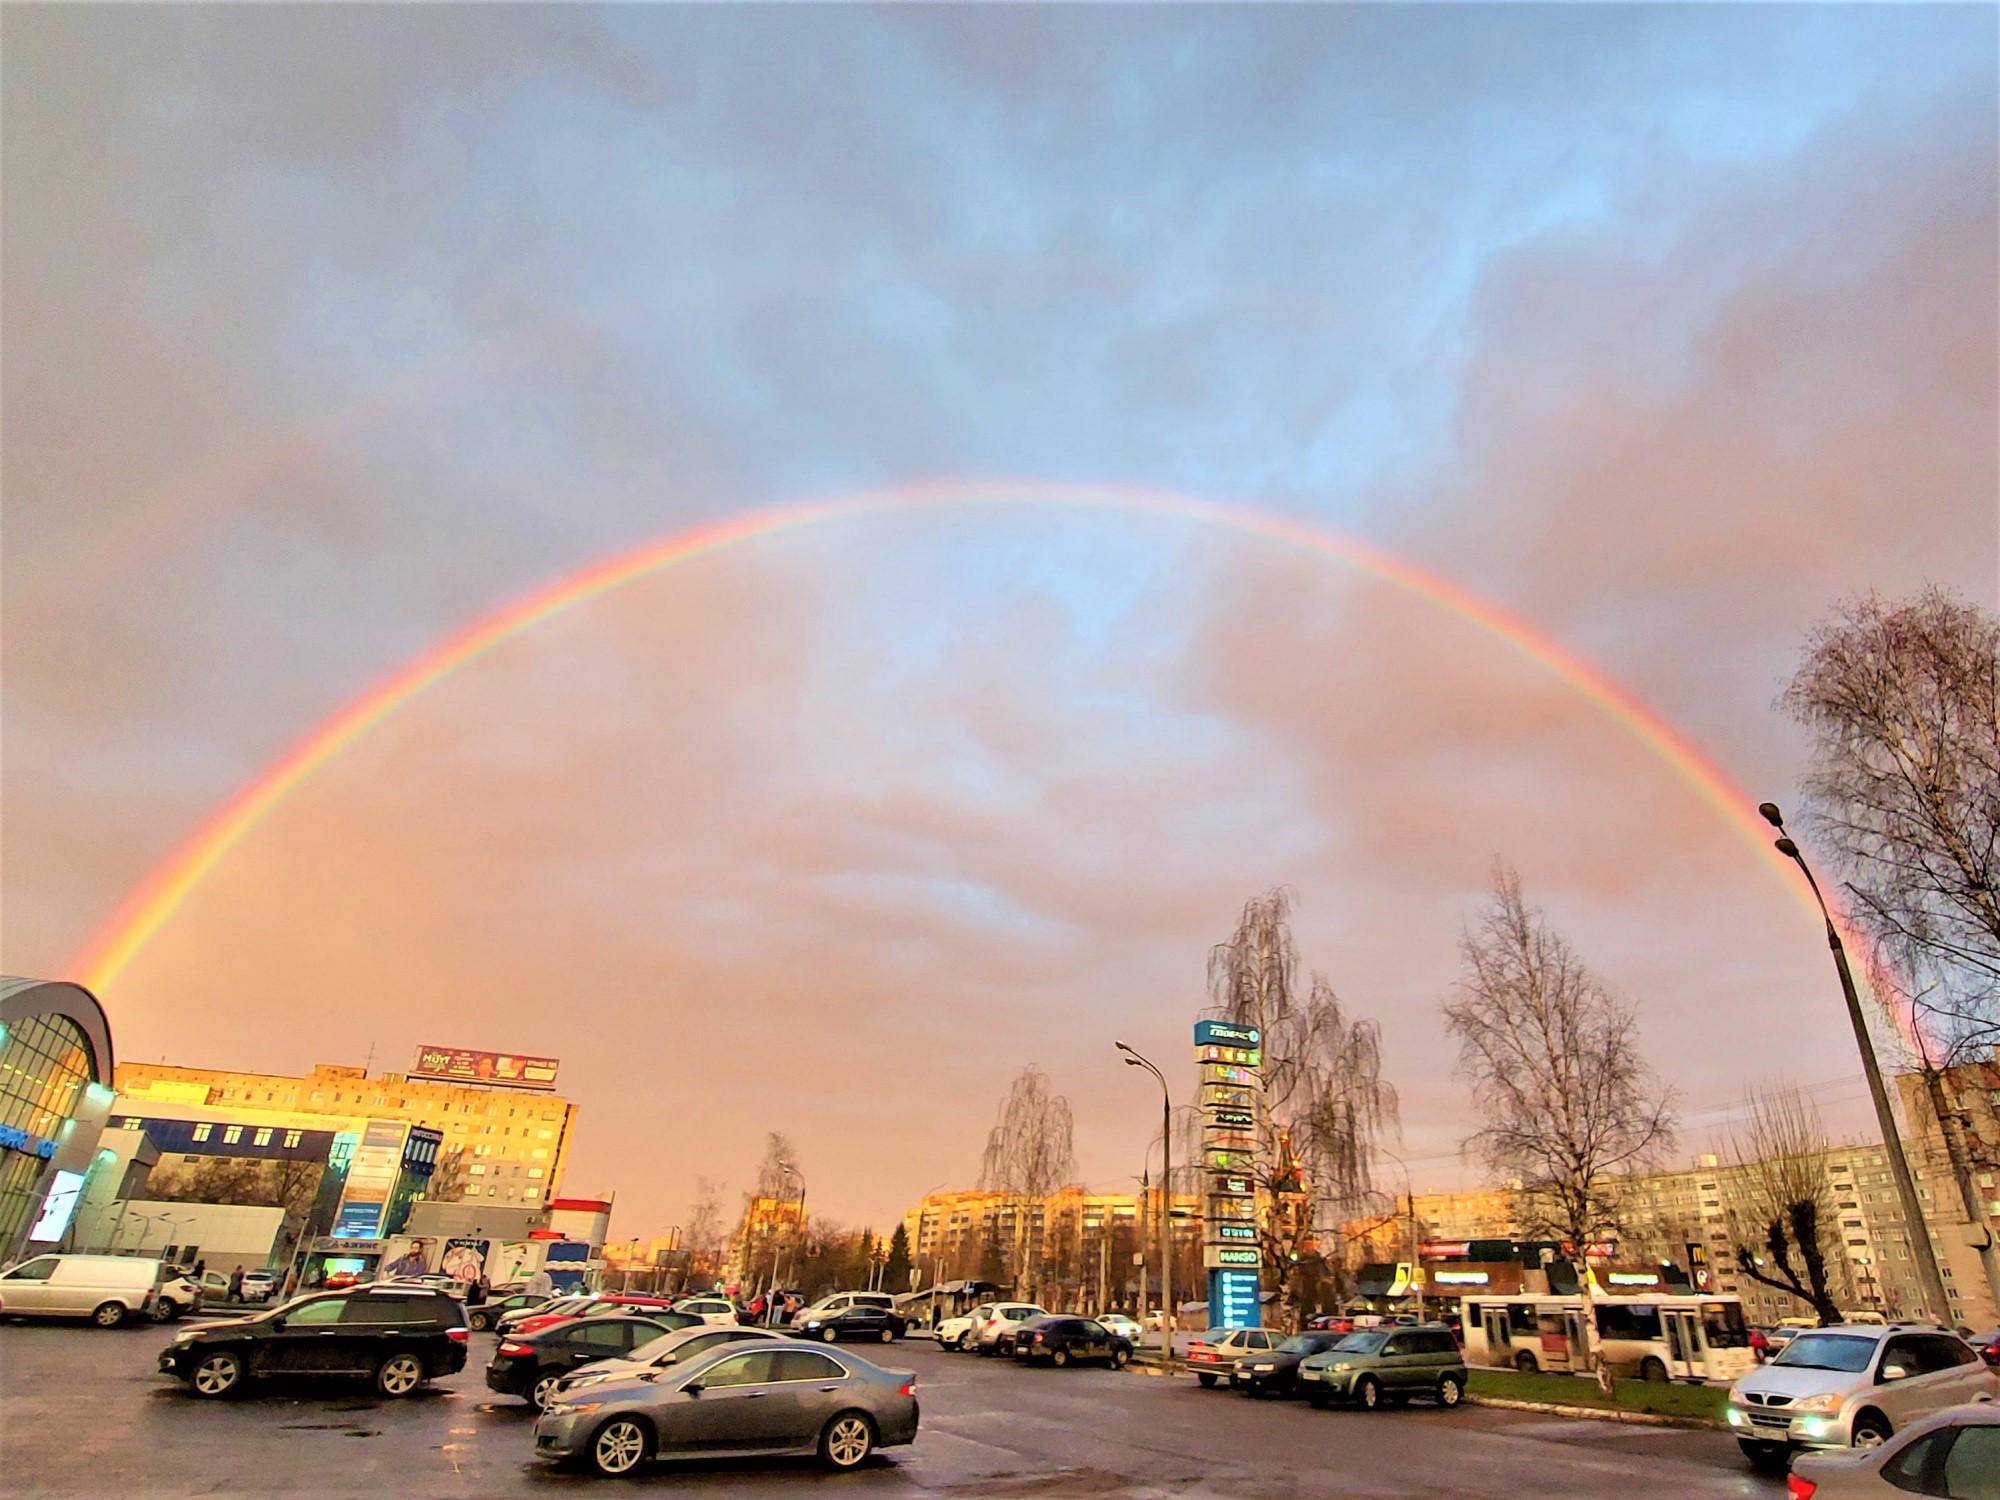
(1232, 1061)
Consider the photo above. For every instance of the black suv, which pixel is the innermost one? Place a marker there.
(397, 1336)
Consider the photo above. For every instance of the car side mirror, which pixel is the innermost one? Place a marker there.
(692, 1388)
(1895, 1372)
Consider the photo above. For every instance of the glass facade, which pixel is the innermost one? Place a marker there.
(45, 1064)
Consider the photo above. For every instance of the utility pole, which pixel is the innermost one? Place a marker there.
(1133, 1059)
(1885, 1118)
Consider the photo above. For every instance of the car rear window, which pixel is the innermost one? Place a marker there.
(376, 1308)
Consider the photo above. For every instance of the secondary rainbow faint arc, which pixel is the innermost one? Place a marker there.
(153, 904)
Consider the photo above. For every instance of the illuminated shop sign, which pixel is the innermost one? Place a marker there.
(1236, 1257)
(16, 1139)
(1460, 1278)
(1225, 1034)
(1236, 1231)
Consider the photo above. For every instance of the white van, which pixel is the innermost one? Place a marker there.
(107, 1289)
(838, 1302)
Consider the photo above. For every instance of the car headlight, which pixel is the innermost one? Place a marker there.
(1262, 1369)
(1345, 1364)
(1828, 1402)
(571, 1408)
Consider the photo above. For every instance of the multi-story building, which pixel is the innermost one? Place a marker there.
(1968, 1097)
(498, 1143)
(1079, 1241)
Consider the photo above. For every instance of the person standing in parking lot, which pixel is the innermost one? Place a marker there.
(235, 1284)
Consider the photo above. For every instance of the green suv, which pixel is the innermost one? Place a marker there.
(1373, 1365)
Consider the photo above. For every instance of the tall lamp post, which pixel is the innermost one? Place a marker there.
(1416, 1260)
(798, 1227)
(1885, 1119)
(1134, 1060)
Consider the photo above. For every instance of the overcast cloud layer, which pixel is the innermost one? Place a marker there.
(328, 330)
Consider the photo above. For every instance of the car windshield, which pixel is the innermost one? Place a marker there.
(1827, 1351)
(1299, 1343)
(1361, 1343)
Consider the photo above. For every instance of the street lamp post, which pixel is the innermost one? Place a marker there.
(1885, 1119)
(1416, 1260)
(1134, 1060)
(799, 1230)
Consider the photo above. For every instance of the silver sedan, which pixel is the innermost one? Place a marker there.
(1954, 1452)
(774, 1399)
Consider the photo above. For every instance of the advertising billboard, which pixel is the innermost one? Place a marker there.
(501, 1069)
(371, 1178)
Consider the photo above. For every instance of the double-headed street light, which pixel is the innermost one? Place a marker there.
(1134, 1060)
(1885, 1119)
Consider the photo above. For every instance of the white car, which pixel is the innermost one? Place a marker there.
(1124, 1327)
(717, 1310)
(1854, 1385)
(958, 1333)
(1005, 1318)
(258, 1286)
(180, 1294)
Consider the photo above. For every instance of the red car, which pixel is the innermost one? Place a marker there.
(340, 1280)
(1988, 1345)
(618, 1303)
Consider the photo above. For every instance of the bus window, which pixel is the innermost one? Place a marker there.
(1628, 1320)
(1722, 1324)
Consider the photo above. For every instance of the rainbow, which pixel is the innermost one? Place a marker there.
(141, 916)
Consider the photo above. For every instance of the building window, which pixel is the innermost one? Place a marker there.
(543, 1135)
(262, 1137)
(232, 1134)
(534, 1171)
(479, 1169)
(203, 1132)
(293, 1137)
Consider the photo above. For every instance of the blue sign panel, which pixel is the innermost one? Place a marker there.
(1232, 1300)
(16, 1139)
(358, 1221)
(1224, 1034)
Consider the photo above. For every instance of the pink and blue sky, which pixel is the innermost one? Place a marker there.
(329, 330)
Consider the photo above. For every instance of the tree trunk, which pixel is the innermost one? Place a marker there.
(1961, 1171)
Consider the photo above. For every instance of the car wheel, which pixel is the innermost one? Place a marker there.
(1119, 1359)
(543, 1392)
(1526, 1363)
(399, 1375)
(619, 1447)
(888, 1335)
(846, 1441)
(1765, 1458)
(828, 1334)
(1871, 1430)
(1369, 1393)
(964, 1342)
(216, 1375)
(1652, 1371)
(1207, 1380)
(165, 1311)
(1059, 1358)
(109, 1315)
(476, 1322)
(1451, 1391)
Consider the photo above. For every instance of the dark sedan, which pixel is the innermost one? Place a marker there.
(876, 1324)
(1061, 1341)
(530, 1364)
(399, 1337)
(1275, 1372)
(488, 1314)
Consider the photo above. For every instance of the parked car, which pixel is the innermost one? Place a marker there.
(1064, 1340)
(1213, 1359)
(716, 1310)
(1124, 1327)
(1276, 1372)
(1004, 1319)
(509, 1321)
(1331, 1323)
(399, 1337)
(256, 1286)
(488, 1314)
(597, 1307)
(959, 1333)
(1394, 1363)
(779, 1398)
(858, 1320)
(339, 1281)
(107, 1289)
(837, 1302)
(529, 1365)
(1954, 1452)
(1988, 1345)
(1852, 1385)
(679, 1347)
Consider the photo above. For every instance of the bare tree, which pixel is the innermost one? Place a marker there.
(1030, 1153)
(1326, 1106)
(1552, 1054)
(775, 1173)
(1903, 701)
(1781, 1211)
(703, 1235)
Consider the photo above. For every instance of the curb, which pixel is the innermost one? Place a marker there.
(1596, 1413)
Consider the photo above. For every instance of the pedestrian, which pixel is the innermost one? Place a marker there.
(475, 1294)
(199, 1267)
(236, 1285)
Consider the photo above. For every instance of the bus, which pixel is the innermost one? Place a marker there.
(1658, 1338)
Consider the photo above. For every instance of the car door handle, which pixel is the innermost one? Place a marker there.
(825, 1389)
(755, 1395)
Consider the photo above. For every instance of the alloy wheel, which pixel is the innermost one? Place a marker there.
(619, 1447)
(544, 1390)
(400, 1374)
(848, 1441)
(216, 1374)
